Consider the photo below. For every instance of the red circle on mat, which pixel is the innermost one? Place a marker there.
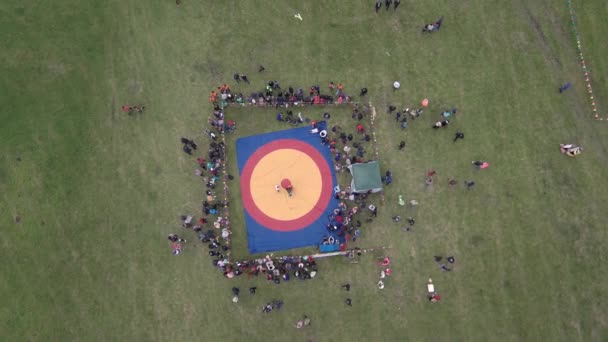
(312, 215)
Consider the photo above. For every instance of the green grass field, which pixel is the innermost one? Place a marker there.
(89, 194)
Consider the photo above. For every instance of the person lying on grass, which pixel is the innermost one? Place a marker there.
(571, 150)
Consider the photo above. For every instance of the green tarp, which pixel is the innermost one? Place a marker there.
(366, 177)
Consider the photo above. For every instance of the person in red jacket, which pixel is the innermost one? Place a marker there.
(360, 129)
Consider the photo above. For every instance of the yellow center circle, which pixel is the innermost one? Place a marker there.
(305, 178)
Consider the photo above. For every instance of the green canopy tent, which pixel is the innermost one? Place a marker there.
(366, 177)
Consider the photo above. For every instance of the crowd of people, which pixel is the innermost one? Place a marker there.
(351, 144)
(273, 95)
(274, 270)
(132, 109)
(387, 4)
(213, 224)
(429, 179)
(444, 119)
(347, 145)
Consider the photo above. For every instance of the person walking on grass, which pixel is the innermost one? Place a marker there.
(459, 135)
(277, 303)
(378, 5)
(267, 308)
(374, 211)
(442, 123)
(565, 87)
(396, 3)
(479, 164)
(387, 3)
(304, 322)
(439, 23)
(401, 145)
(235, 294)
(469, 184)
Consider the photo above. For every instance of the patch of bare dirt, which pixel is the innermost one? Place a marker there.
(135, 87)
(542, 40)
(57, 69)
(213, 69)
